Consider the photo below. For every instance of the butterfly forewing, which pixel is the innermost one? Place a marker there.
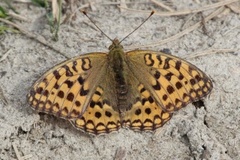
(66, 90)
(171, 81)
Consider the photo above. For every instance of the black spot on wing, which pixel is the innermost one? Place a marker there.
(157, 86)
(98, 115)
(138, 112)
(86, 64)
(45, 93)
(148, 111)
(157, 74)
(178, 65)
(168, 76)
(170, 89)
(81, 80)
(74, 66)
(77, 103)
(159, 59)
(70, 97)
(148, 58)
(166, 64)
(108, 114)
(83, 92)
(69, 83)
(178, 85)
(39, 90)
(60, 94)
(56, 74)
(68, 71)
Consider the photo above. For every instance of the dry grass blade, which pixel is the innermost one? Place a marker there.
(235, 7)
(207, 52)
(55, 10)
(180, 34)
(19, 17)
(123, 4)
(178, 13)
(4, 56)
(163, 5)
(33, 36)
(18, 154)
(120, 153)
(2, 97)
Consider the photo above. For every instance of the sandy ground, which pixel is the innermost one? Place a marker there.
(210, 132)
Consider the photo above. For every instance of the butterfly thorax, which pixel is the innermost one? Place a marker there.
(117, 61)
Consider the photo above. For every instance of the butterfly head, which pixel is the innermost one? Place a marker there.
(115, 45)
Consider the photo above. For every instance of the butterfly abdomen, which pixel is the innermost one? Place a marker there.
(117, 58)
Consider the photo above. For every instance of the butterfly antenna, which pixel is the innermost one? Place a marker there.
(137, 27)
(85, 13)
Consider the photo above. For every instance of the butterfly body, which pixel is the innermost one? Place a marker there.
(119, 69)
(102, 92)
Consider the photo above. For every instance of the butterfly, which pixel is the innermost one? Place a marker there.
(103, 92)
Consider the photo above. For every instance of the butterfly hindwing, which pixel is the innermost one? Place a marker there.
(145, 114)
(99, 116)
(172, 82)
